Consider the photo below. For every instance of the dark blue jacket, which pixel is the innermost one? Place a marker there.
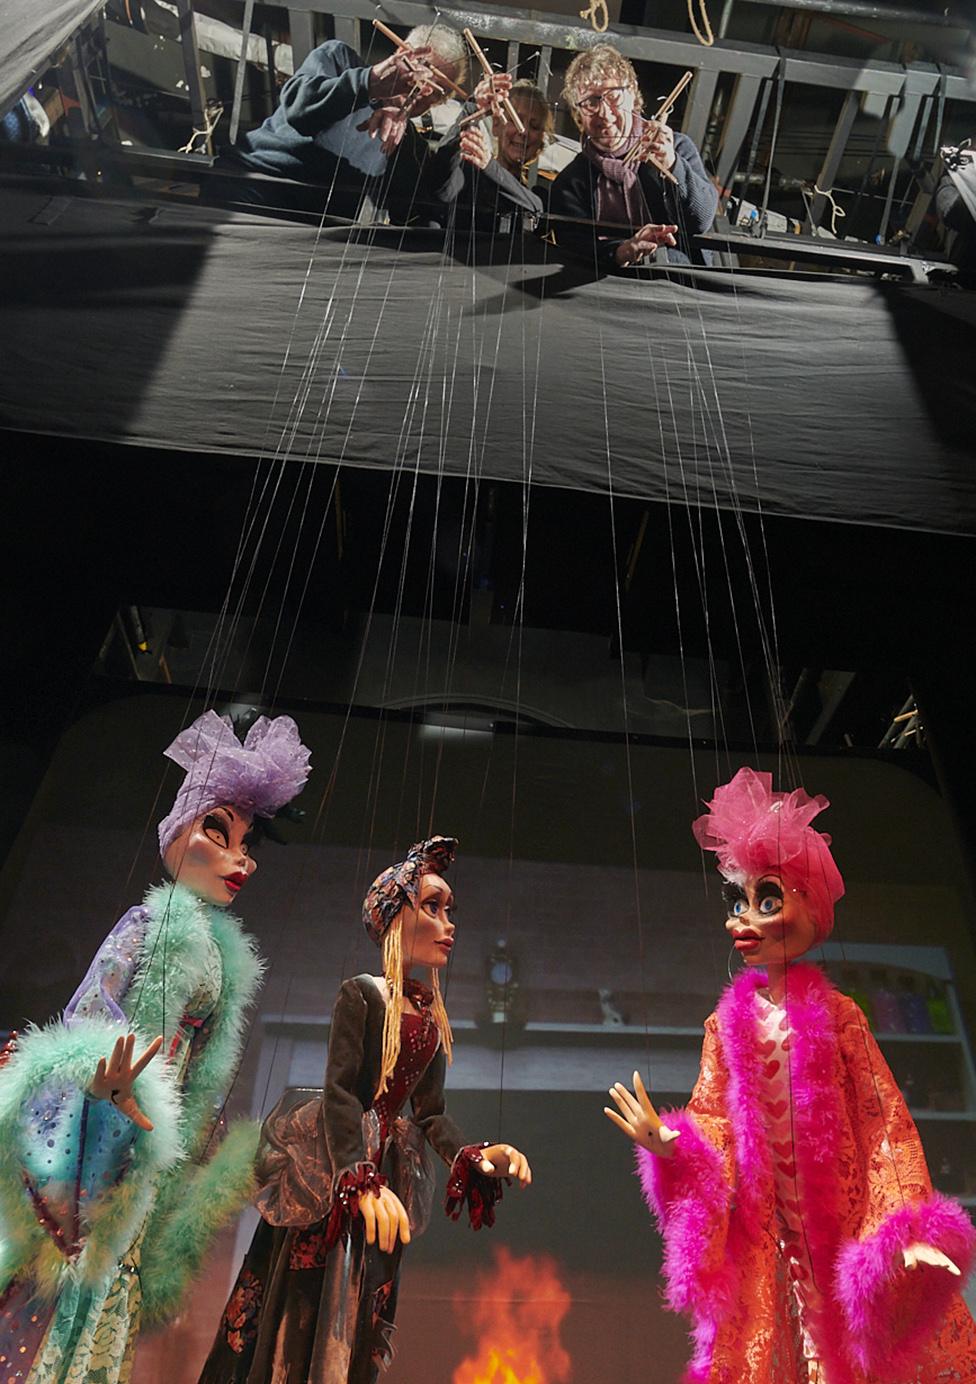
(690, 205)
(313, 137)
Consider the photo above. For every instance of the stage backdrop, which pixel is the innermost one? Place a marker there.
(170, 326)
(603, 986)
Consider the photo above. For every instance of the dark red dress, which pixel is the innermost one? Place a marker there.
(313, 1303)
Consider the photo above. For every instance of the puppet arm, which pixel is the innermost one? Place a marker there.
(891, 1305)
(107, 981)
(76, 1176)
(477, 1171)
(689, 1191)
(358, 1188)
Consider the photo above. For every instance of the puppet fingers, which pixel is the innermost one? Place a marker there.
(918, 1253)
(628, 1129)
(522, 1170)
(626, 1103)
(500, 1160)
(367, 1209)
(129, 1107)
(382, 1224)
(402, 1222)
(118, 1051)
(147, 1056)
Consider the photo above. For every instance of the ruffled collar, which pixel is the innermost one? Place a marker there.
(419, 994)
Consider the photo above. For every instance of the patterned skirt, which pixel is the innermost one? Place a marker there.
(85, 1336)
(300, 1314)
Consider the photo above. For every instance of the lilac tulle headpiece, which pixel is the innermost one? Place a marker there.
(397, 887)
(260, 776)
(753, 830)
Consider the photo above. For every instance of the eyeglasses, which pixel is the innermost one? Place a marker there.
(614, 96)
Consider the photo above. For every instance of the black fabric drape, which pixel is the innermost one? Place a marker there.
(32, 31)
(848, 400)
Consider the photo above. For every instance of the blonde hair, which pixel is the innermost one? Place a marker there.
(596, 64)
(393, 975)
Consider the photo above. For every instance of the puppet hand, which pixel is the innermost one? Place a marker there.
(645, 242)
(475, 148)
(387, 124)
(918, 1253)
(399, 74)
(113, 1080)
(489, 92)
(640, 1121)
(384, 1217)
(659, 143)
(501, 1160)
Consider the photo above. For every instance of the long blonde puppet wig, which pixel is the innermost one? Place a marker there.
(393, 975)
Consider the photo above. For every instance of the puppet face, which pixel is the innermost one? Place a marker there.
(606, 111)
(428, 930)
(212, 856)
(514, 149)
(769, 921)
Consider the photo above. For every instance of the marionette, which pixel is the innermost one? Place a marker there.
(801, 1232)
(112, 1183)
(346, 1178)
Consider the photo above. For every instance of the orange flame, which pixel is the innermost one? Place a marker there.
(516, 1313)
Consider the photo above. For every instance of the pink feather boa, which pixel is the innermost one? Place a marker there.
(888, 1322)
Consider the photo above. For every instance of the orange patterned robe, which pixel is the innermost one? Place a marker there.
(863, 1194)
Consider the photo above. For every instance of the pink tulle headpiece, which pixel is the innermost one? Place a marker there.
(260, 776)
(753, 830)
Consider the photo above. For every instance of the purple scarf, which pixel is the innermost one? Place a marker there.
(619, 197)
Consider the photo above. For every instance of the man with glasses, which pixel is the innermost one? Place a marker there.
(636, 185)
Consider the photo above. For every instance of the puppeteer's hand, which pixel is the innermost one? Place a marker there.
(387, 124)
(475, 148)
(659, 144)
(918, 1253)
(644, 242)
(113, 1080)
(385, 1217)
(639, 1120)
(489, 92)
(398, 75)
(502, 1160)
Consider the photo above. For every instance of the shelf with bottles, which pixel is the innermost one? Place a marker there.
(909, 999)
(901, 1001)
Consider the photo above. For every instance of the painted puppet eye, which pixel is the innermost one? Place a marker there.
(216, 831)
(770, 904)
(739, 907)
